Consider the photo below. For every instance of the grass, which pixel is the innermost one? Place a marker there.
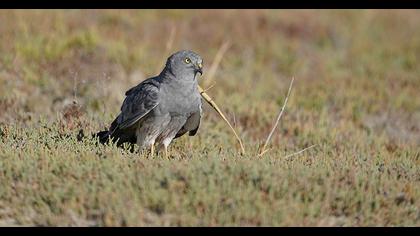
(355, 96)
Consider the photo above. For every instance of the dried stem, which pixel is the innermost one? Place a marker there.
(214, 105)
(263, 150)
(216, 62)
(75, 87)
(169, 43)
(208, 88)
(171, 38)
(299, 152)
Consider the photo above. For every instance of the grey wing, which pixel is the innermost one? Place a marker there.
(191, 125)
(139, 102)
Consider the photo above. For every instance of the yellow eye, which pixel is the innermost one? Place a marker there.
(187, 60)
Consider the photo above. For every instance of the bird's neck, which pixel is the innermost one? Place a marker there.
(186, 82)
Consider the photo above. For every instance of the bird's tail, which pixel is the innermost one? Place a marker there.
(103, 136)
(116, 136)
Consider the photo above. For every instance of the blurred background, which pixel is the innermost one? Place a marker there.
(355, 96)
(355, 69)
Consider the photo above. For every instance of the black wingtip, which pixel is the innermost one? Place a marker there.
(102, 135)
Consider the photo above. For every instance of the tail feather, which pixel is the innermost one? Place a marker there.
(103, 136)
(119, 137)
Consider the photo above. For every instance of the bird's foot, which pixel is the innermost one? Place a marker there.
(152, 150)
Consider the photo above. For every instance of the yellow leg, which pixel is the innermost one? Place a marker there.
(152, 150)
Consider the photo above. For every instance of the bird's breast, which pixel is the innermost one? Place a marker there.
(184, 101)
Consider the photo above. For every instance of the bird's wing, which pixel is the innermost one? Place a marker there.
(194, 122)
(139, 101)
(191, 125)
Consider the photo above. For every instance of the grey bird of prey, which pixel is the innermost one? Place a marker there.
(161, 108)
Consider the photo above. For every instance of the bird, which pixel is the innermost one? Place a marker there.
(161, 108)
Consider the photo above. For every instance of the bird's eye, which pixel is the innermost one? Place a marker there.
(187, 60)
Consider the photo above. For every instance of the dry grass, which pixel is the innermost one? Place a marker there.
(355, 97)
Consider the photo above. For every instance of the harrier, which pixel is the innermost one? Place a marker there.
(161, 108)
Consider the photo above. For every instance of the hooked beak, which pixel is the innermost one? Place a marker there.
(199, 68)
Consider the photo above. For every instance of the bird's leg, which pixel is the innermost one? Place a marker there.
(152, 150)
(166, 143)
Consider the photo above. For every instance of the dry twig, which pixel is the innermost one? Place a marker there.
(171, 38)
(216, 62)
(214, 105)
(263, 150)
(208, 88)
(299, 152)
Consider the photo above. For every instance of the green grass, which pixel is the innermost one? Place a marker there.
(355, 95)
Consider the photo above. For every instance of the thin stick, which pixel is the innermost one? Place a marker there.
(299, 152)
(214, 105)
(75, 87)
(217, 59)
(208, 88)
(170, 41)
(277, 121)
(263, 152)
(171, 38)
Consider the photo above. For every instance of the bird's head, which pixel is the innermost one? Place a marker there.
(185, 64)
